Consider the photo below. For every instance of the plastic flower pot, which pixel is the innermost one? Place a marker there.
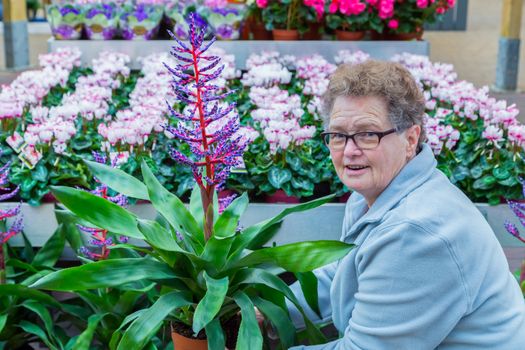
(347, 35)
(181, 342)
(66, 21)
(140, 22)
(226, 22)
(285, 34)
(259, 31)
(280, 196)
(313, 32)
(101, 22)
(404, 36)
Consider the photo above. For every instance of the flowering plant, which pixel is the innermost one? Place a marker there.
(351, 15)
(207, 267)
(66, 21)
(140, 22)
(101, 21)
(287, 14)
(409, 16)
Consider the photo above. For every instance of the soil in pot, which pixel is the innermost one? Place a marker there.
(182, 336)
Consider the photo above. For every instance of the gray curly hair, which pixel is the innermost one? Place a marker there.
(387, 80)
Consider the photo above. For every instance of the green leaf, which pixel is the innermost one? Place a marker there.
(308, 283)
(251, 233)
(105, 273)
(25, 292)
(84, 339)
(279, 318)
(215, 335)
(40, 173)
(501, 173)
(298, 257)
(484, 183)
(49, 254)
(99, 211)
(158, 236)
(259, 276)
(32, 328)
(172, 208)
(3, 320)
(42, 312)
(278, 177)
(228, 221)
(147, 324)
(118, 180)
(250, 336)
(211, 303)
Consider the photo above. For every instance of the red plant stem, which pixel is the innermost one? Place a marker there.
(207, 191)
(104, 252)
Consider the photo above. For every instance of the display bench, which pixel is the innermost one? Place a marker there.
(320, 223)
(242, 49)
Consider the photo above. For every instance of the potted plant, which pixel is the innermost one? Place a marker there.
(207, 268)
(101, 21)
(255, 22)
(350, 20)
(286, 18)
(66, 21)
(225, 19)
(140, 21)
(404, 20)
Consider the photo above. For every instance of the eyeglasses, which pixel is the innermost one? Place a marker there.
(337, 141)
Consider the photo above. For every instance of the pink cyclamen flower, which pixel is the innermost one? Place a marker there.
(440, 10)
(261, 3)
(493, 134)
(422, 4)
(393, 24)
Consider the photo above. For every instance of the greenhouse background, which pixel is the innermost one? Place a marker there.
(84, 84)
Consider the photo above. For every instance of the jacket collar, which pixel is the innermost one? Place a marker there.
(413, 174)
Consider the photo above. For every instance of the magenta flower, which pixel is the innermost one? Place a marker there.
(206, 126)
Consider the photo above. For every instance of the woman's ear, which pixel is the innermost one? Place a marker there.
(412, 136)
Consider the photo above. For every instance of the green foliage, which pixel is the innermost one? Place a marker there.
(202, 283)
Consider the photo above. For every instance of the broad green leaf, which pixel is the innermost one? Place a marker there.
(211, 303)
(49, 254)
(308, 283)
(259, 276)
(118, 180)
(42, 312)
(172, 208)
(158, 236)
(147, 324)
(32, 328)
(278, 176)
(298, 257)
(216, 251)
(228, 221)
(250, 336)
(250, 234)
(3, 320)
(195, 206)
(99, 211)
(279, 318)
(21, 265)
(84, 339)
(25, 292)
(215, 335)
(104, 274)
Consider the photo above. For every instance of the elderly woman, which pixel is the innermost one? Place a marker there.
(428, 271)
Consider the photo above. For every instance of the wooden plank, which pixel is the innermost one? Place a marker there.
(511, 19)
(14, 10)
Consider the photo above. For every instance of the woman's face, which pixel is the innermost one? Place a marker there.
(369, 171)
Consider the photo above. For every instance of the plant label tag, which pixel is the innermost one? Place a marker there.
(30, 156)
(241, 168)
(16, 142)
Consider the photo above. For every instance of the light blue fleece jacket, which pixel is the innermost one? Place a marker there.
(427, 272)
